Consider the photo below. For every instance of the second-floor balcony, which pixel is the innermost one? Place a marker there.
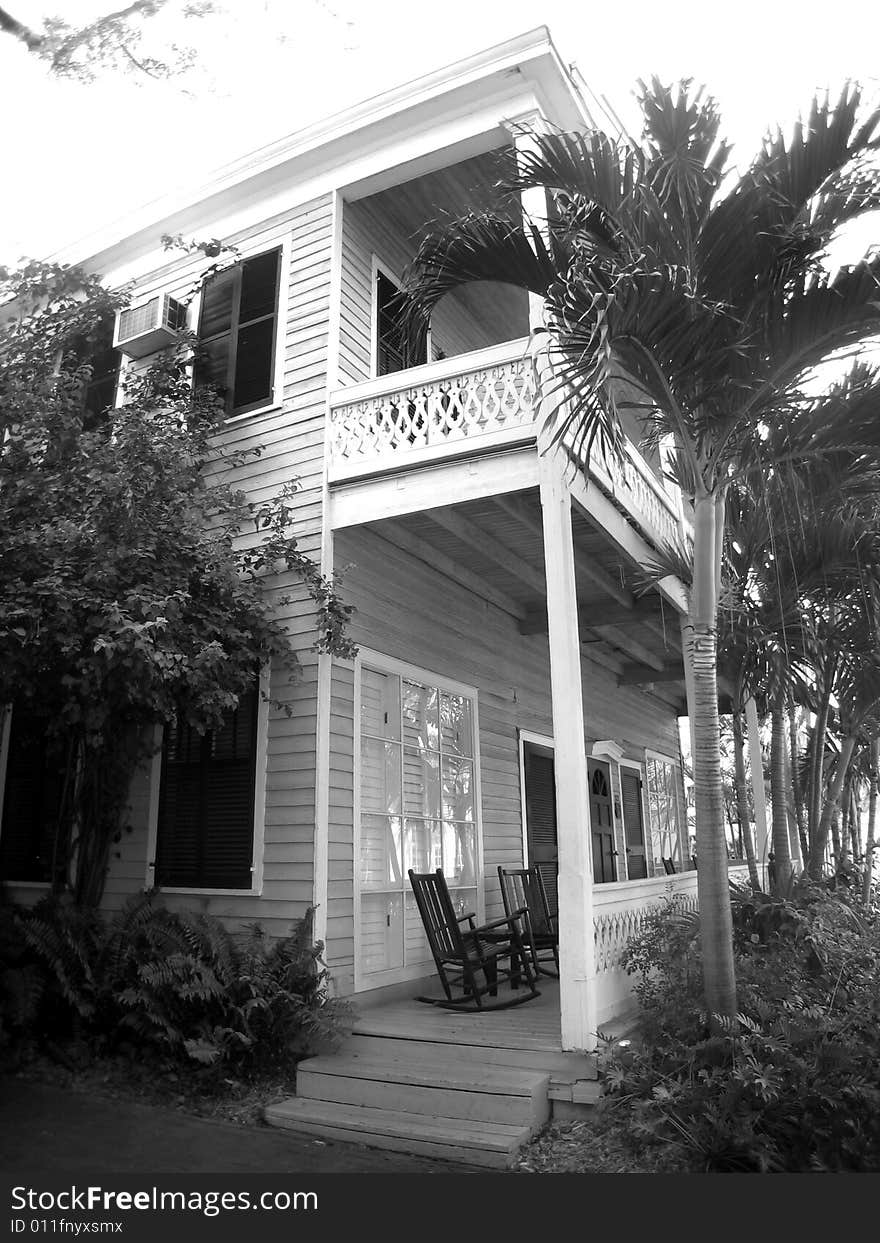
(478, 403)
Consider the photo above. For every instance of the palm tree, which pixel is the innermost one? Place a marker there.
(706, 295)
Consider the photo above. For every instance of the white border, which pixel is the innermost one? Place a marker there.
(261, 761)
(389, 664)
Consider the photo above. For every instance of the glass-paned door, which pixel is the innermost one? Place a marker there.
(666, 811)
(418, 809)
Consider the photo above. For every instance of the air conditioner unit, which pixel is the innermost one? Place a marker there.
(142, 330)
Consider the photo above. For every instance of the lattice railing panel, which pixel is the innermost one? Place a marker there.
(435, 412)
(616, 928)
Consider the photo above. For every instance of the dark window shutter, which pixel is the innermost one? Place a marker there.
(31, 800)
(633, 825)
(238, 330)
(206, 803)
(99, 393)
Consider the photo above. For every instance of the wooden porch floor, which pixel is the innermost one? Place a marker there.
(533, 1026)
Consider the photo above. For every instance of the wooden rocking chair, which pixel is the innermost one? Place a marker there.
(523, 889)
(469, 958)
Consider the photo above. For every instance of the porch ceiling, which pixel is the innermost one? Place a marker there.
(494, 547)
(410, 208)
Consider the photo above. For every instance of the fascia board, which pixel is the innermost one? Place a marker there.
(331, 142)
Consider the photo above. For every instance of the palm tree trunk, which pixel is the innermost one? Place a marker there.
(855, 822)
(817, 776)
(831, 808)
(742, 801)
(797, 793)
(872, 821)
(713, 891)
(835, 838)
(845, 822)
(779, 798)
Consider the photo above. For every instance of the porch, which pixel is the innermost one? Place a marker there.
(465, 1086)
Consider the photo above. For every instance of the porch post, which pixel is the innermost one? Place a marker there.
(759, 791)
(577, 959)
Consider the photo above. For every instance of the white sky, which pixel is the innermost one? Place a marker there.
(76, 156)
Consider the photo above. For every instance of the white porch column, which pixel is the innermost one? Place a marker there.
(759, 791)
(534, 200)
(577, 959)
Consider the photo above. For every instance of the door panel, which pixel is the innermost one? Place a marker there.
(601, 823)
(633, 824)
(540, 789)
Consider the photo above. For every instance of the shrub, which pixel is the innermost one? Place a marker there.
(793, 1084)
(177, 983)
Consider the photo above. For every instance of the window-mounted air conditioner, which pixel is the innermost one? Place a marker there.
(142, 330)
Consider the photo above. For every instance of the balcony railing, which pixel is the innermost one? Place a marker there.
(474, 403)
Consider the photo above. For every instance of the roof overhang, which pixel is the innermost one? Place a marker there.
(438, 118)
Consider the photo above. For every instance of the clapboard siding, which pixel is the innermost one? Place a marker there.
(408, 611)
(291, 438)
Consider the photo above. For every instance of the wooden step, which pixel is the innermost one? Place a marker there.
(477, 1092)
(566, 1065)
(492, 1145)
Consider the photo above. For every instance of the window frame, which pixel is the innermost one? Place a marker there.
(427, 677)
(276, 399)
(259, 816)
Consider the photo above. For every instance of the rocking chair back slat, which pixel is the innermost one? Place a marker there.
(523, 890)
(470, 959)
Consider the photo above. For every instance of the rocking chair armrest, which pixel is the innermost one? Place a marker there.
(506, 921)
(471, 915)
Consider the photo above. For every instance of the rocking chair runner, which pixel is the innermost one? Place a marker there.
(523, 890)
(468, 957)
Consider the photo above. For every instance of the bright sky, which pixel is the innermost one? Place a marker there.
(76, 156)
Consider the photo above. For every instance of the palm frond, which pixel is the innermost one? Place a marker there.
(478, 247)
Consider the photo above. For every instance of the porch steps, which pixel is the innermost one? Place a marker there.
(475, 1103)
(491, 1145)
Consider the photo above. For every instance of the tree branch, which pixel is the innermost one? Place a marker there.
(11, 26)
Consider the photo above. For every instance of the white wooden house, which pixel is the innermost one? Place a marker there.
(513, 697)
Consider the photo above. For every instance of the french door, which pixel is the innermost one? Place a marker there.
(417, 808)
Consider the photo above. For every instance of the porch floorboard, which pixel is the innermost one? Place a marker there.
(535, 1025)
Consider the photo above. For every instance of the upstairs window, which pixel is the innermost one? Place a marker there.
(393, 351)
(205, 834)
(237, 332)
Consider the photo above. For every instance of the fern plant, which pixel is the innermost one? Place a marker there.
(178, 983)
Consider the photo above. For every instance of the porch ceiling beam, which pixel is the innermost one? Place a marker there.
(437, 560)
(395, 494)
(488, 546)
(601, 513)
(634, 675)
(632, 647)
(594, 573)
(593, 613)
(596, 651)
